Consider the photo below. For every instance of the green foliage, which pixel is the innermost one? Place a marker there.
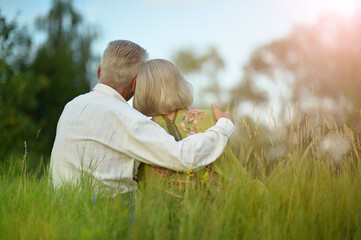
(18, 88)
(210, 63)
(63, 61)
(189, 61)
(34, 91)
(300, 198)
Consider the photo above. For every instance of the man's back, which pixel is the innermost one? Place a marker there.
(83, 145)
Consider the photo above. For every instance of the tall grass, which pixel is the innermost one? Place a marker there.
(304, 194)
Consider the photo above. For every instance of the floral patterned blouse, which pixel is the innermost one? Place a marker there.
(185, 123)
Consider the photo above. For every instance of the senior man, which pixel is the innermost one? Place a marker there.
(99, 134)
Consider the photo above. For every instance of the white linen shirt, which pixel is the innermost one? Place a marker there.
(100, 134)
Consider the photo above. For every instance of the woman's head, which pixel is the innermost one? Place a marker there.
(161, 89)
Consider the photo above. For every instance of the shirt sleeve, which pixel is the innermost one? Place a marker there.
(149, 143)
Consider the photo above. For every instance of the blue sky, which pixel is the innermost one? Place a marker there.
(235, 27)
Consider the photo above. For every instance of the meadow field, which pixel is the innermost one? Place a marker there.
(304, 194)
(301, 176)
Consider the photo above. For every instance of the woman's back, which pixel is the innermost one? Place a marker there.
(185, 123)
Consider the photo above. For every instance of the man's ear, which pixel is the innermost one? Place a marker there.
(98, 72)
(133, 84)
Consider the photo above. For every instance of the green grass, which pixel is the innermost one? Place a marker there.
(301, 199)
(304, 194)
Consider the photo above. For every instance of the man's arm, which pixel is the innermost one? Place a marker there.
(151, 144)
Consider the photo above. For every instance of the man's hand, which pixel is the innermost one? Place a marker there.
(219, 114)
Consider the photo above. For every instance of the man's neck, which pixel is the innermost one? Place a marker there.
(126, 93)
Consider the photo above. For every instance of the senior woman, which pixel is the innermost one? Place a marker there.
(162, 93)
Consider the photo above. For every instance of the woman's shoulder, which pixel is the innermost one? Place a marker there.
(190, 114)
(201, 114)
(195, 120)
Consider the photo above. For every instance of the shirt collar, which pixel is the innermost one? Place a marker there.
(105, 89)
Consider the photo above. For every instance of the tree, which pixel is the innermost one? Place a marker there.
(319, 64)
(209, 63)
(18, 88)
(63, 61)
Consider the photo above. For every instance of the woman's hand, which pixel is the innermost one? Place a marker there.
(219, 114)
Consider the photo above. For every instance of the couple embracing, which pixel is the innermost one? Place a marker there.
(101, 135)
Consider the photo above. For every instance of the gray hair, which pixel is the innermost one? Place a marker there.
(161, 89)
(121, 63)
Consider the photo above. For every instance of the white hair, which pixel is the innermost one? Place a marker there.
(121, 63)
(161, 89)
